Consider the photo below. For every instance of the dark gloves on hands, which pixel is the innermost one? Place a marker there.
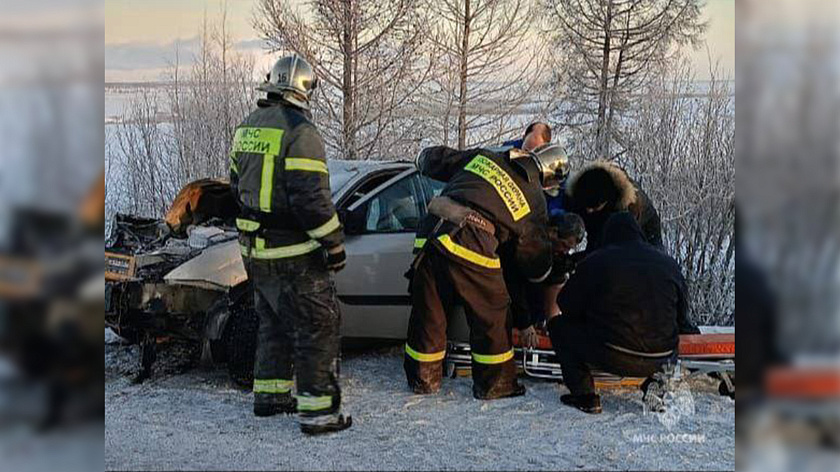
(336, 258)
(563, 266)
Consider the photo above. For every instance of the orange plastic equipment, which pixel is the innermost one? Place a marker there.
(543, 341)
(803, 383)
(711, 345)
(691, 345)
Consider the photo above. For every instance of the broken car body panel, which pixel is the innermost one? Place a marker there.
(216, 268)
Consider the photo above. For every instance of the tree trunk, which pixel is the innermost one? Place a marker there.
(608, 126)
(601, 135)
(462, 92)
(348, 117)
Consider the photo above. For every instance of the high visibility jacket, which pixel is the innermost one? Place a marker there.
(279, 175)
(509, 197)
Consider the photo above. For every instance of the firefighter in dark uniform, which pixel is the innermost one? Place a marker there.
(492, 204)
(291, 240)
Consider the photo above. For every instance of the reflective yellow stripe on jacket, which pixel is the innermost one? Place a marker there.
(259, 251)
(267, 182)
(265, 141)
(308, 165)
(325, 229)
(233, 164)
(493, 358)
(468, 254)
(421, 357)
(272, 386)
(419, 243)
(247, 225)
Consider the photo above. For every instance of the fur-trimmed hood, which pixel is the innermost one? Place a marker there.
(619, 177)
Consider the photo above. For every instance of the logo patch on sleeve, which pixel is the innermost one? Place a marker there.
(505, 186)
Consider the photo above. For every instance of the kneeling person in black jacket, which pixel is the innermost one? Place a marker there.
(622, 311)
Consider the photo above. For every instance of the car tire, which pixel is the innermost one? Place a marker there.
(218, 350)
(240, 341)
(130, 335)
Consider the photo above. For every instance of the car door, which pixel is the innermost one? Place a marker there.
(380, 227)
(456, 326)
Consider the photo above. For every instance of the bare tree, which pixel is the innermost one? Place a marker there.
(490, 68)
(180, 131)
(681, 150)
(142, 155)
(612, 50)
(209, 102)
(368, 56)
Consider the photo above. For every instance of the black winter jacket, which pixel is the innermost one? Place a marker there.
(628, 293)
(508, 196)
(632, 199)
(280, 179)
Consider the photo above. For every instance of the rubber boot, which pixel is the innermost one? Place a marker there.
(588, 403)
(339, 423)
(517, 391)
(283, 404)
(653, 393)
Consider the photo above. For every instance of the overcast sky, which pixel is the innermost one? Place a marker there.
(141, 35)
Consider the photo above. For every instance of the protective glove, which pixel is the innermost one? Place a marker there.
(528, 337)
(336, 258)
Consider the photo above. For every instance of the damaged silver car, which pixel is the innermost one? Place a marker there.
(182, 277)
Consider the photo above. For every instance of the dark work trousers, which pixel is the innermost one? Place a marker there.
(439, 284)
(579, 353)
(295, 301)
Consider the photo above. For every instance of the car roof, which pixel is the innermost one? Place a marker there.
(343, 172)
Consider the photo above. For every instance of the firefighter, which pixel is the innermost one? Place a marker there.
(492, 203)
(291, 240)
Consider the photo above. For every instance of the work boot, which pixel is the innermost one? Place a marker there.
(517, 391)
(420, 389)
(325, 424)
(275, 405)
(653, 394)
(587, 403)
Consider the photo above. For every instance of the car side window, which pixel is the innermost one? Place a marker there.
(433, 186)
(395, 209)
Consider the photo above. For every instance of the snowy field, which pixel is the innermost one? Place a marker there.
(198, 420)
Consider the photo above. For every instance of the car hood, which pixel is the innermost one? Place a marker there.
(218, 267)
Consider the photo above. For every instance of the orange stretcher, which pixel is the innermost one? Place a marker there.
(803, 383)
(712, 354)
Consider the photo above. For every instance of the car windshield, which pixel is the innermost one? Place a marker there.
(342, 172)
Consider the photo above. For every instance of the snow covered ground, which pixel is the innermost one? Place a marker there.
(198, 420)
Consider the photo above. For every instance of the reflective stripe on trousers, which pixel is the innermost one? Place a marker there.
(424, 357)
(272, 386)
(310, 403)
(491, 359)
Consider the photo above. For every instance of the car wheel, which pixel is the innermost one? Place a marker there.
(129, 334)
(218, 350)
(240, 341)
